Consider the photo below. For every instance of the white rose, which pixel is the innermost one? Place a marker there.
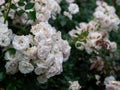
(31, 52)
(74, 85)
(4, 40)
(95, 35)
(20, 42)
(55, 69)
(43, 52)
(40, 69)
(3, 28)
(23, 57)
(113, 46)
(73, 8)
(67, 14)
(108, 80)
(11, 67)
(10, 56)
(42, 79)
(40, 17)
(25, 67)
(99, 14)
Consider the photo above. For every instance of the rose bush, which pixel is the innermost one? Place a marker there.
(59, 44)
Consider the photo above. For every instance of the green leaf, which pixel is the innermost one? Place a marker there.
(82, 36)
(20, 12)
(2, 76)
(32, 15)
(12, 6)
(12, 50)
(21, 3)
(90, 88)
(29, 6)
(11, 87)
(63, 22)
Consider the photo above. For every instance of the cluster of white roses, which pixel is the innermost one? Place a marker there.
(5, 33)
(97, 37)
(43, 51)
(73, 8)
(44, 9)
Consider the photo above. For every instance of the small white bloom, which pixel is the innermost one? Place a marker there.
(108, 80)
(74, 85)
(99, 14)
(4, 40)
(42, 79)
(43, 29)
(40, 69)
(23, 57)
(31, 52)
(25, 67)
(95, 35)
(55, 69)
(97, 77)
(10, 56)
(67, 14)
(43, 52)
(40, 17)
(3, 28)
(20, 42)
(113, 46)
(11, 67)
(73, 8)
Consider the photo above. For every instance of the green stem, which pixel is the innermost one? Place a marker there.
(6, 15)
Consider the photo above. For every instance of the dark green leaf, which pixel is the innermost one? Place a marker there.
(90, 88)
(12, 6)
(12, 50)
(32, 15)
(2, 76)
(29, 6)
(11, 87)
(20, 3)
(20, 12)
